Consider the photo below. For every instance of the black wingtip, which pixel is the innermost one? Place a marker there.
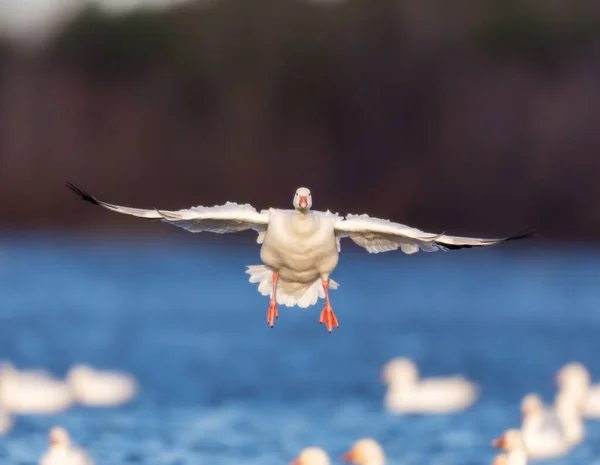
(524, 235)
(82, 193)
(514, 237)
(453, 246)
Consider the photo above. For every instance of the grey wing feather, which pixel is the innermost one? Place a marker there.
(378, 235)
(221, 219)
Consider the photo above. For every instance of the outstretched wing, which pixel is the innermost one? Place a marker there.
(377, 235)
(222, 219)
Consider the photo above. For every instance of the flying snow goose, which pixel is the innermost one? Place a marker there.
(311, 456)
(512, 442)
(100, 388)
(408, 394)
(61, 452)
(365, 452)
(300, 247)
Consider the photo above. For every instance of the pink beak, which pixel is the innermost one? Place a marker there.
(347, 457)
(303, 202)
(499, 443)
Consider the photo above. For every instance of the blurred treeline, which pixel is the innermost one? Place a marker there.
(465, 116)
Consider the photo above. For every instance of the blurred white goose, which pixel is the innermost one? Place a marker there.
(409, 394)
(300, 247)
(6, 422)
(575, 378)
(501, 459)
(311, 456)
(61, 452)
(542, 430)
(32, 392)
(512, 442)
(101, 388)
(365, 452)
(567, 405)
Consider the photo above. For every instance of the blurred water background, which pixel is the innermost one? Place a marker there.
(475, 118)
(219, 386)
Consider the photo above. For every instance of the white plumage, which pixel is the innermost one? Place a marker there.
(407, 393)
(32, 392)
(516, 451)
(575, 380)
(288, 294)
(101, 388)
(62, 452)
(542, 430)
(6, 422)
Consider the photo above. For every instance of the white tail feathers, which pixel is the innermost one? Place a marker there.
(288, 294)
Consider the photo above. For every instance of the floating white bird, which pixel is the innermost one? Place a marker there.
(6, 422)
(409, 394)
(542, 430)
(365, 452)
(501, 459)
(300, 247)
(100, 388)
(512, 442)
(575, 378)
(32, 392)
(61, 452)
(311, 456)
(568, 406)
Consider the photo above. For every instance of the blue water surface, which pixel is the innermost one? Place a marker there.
(220, 387)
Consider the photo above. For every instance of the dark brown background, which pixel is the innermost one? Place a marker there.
(467, 117)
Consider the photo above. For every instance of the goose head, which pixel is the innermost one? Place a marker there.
(511, 440)
(365, 452)
(400, 371)
(312, 456)
(59, 437)
(302, 200)
(79, 373)
(531, 405)
(573, 375)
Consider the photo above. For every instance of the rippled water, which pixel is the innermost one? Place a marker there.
(220, 387)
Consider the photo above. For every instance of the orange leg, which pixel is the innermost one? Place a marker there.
(273, 313)
(327, 315)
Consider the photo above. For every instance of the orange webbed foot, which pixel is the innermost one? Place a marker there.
(329, 318)
(272, 313)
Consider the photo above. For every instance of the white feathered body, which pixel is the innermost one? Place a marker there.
(65, 456)
(591, 407)
(6, 423)
(101, 388)
(433, 395)
(303, 249)
(544, 436)
(33, 392)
